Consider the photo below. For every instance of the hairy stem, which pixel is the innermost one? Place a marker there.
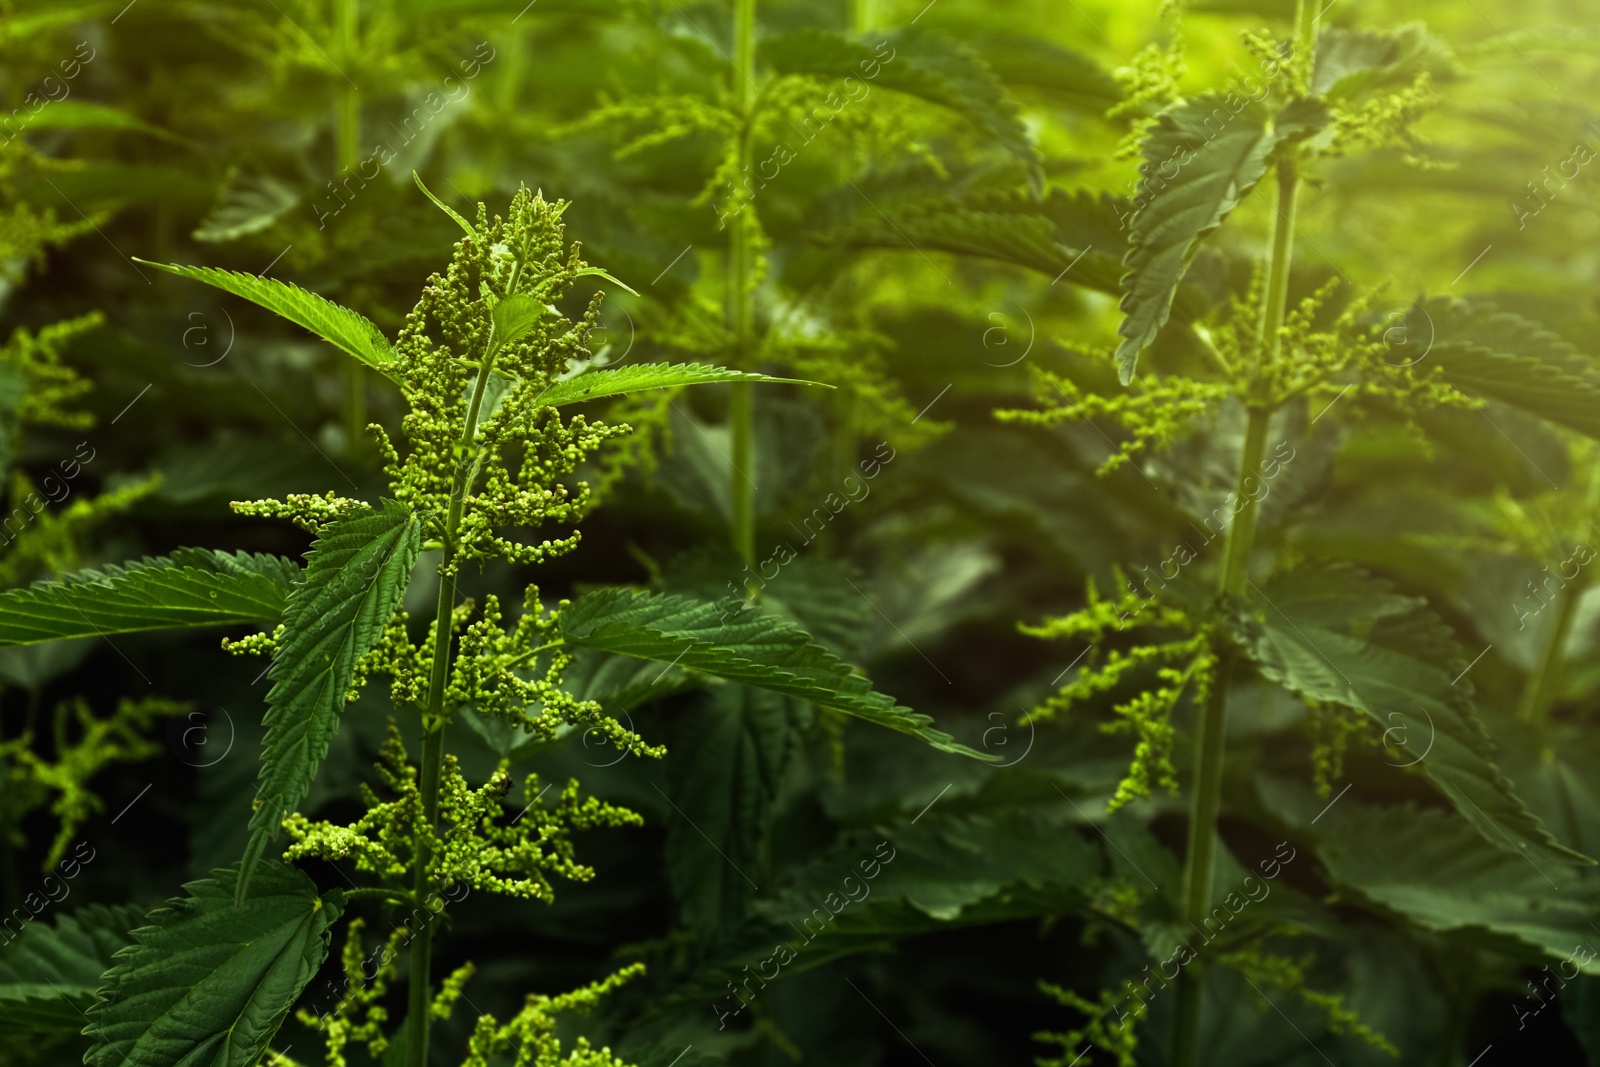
(1544, 684)
(349, 134)
(433, 724)
(1206, 803)
(739, 312)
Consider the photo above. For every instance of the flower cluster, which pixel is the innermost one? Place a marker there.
(1148, 714)
(474, 847)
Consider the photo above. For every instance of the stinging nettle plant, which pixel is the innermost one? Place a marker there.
(1370, 665)
(485, 363)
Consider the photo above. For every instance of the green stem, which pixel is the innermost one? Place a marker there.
(433, 724)
(1210, 748)
(1544, 684)
(349, 135)
(739, 311)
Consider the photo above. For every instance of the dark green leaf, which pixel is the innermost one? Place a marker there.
(726, 768)
(356, 575)
(1338, 635)
(208, 982)
(192, 587)
(49, 974)
(740, 646)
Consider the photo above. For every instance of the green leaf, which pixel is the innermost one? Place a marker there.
(192, 587)
(49, 975)
(1431, 867)
(916, 62)
(743, 647)
(515, 317)
(1201, 159)
(460, 220)
(598, 272)
(726, 768)
(632, 379)
(247, 204)
(207, 982)
(87, 115)
(348, 331)
(355, 577)
(1353, 62)
(1338, 635)
(1500, 355)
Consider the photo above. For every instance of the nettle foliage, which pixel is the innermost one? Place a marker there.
(485, 363)
(1260, 369)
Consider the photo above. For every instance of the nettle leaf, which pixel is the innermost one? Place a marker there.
(741, 646)
(349, 331)
(87, 115)
(1201, 160)
(1500, 355)
(598, 384)
(208, 982)
(49, 974)
(1430, 867)
(515, 317)
(916, 62)
(191, 587)
(248, 203)
(355, 578)
(726, 768)
(1351, 62)
(1340, 636)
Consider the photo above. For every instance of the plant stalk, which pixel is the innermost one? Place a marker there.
(1210, 749)
(420, 1008)
(739, 311)
(349, 134)
(1544, 684)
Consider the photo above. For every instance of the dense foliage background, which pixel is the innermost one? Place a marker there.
(932, 208)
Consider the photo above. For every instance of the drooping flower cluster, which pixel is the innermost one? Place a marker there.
(1148, 714)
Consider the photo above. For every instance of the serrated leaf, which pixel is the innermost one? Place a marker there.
(1500, 355)
(1432, 868)
(1216, 155)
(598, 384)
(208, 983)
(49, 974)
(515, 317)
(349, 331)
(919, 63)
(743, 647)
(726, 768)
(1338, 635)
(355, 578)
(1351, 62)
(247, 204)
(192, 587)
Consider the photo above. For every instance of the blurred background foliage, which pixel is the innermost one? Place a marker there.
(952, 227)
